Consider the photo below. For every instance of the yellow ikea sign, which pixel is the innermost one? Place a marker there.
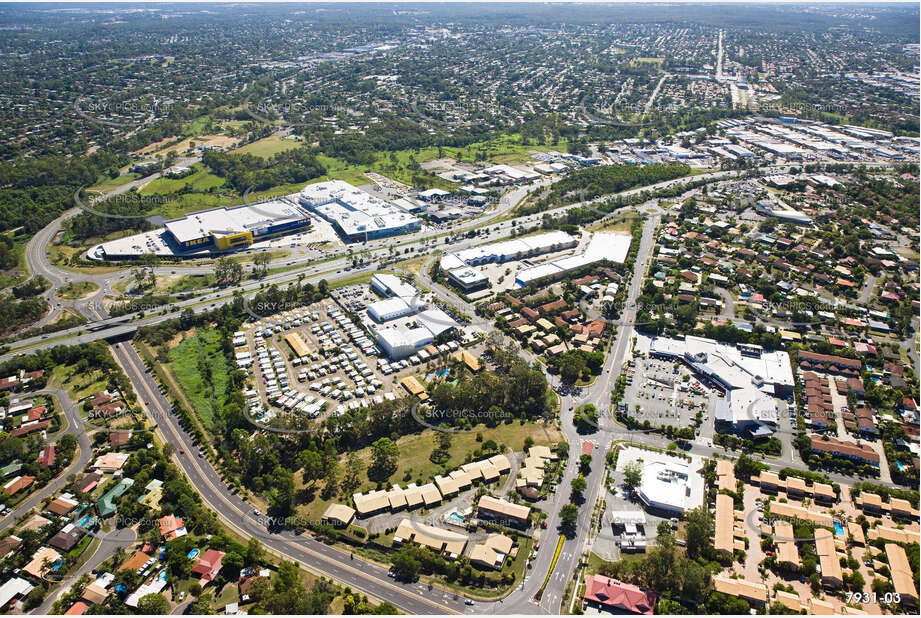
(234, 240)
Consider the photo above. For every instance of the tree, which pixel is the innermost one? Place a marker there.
(405, 565)
(353, 469)
(442, 450)
(261, 262)
(747, 467)
(585, 463)
(633, 474)
(281, 495)
(578, 485)
(698, 531)
(586, 418)
(384, 454)
(254, 552)
(569, 514)
(233, 563)
(311, 464)
(154, 604)
(571, 366)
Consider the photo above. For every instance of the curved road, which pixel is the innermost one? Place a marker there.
(81, 456)
(369, 578)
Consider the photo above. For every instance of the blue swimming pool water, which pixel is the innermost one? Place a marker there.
(163, 575)
(839, 528)
(83, 521)
(456, 517)
(193, 554)
(900, 465)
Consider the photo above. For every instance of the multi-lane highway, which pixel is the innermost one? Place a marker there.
(318, 557)
(238, 515)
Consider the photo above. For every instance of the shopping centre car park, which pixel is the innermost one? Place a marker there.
(309, 360)
(314, 360)
(667, 393)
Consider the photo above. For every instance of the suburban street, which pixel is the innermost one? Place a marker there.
(314, 555)
(75, 426)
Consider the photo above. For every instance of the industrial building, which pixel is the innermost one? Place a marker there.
(356, 215)
(785, 214)
(229, 228)
(670, 485)
(402, 340)
(468, 278)
(603, 246)
(391, 309)
(505, 251)
(749, 375)
(460, 267)
(215, 230)
(390, 285)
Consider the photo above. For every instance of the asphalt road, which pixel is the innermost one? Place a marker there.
(105, 550)
(368, 578)
(236, 513)
(82, 456)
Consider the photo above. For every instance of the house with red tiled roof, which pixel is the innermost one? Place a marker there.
(136, 561)
(100, 398)
(556, 305)
(595, 328)
(28, 428)
(618, 597)
(88, 483)
(208, 566)
(77, 609)
(571, 314)
(530, 314)
(119, 438)
(860, 453)
(112, 408)
(18, 484)
(36, 413)
(47, 456)
(171, 527)
(8, 544)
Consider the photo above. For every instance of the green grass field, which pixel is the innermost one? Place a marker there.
(76, 289)
(20, 272)
(415, 449)
(268, 146)
(414, 460)
(108, 184)
(77, 384)
(202, 351)
(504, 149)
(200, 181)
